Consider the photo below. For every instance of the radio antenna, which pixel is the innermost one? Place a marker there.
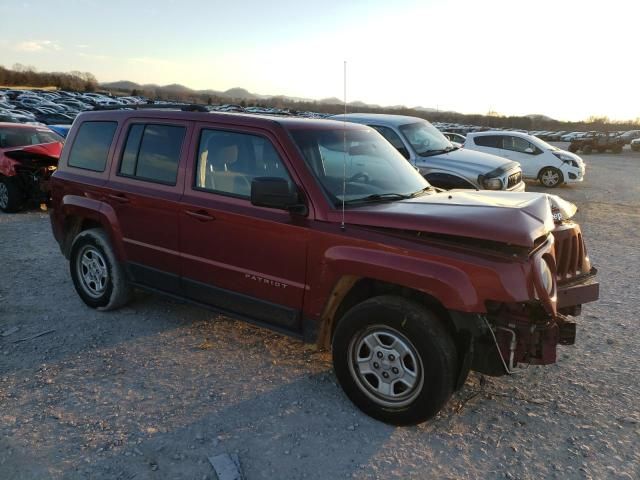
(344, 145)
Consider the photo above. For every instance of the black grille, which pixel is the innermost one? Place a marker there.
(514, 179)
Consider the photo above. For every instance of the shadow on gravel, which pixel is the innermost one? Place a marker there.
(77, 329)
(275, 434)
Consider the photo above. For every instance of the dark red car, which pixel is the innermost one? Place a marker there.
(28, 156)
(321, 230)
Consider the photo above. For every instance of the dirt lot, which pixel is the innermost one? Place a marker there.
(150, 391)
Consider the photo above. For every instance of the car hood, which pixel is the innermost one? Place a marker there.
(43, 153)
(472, 162)
(506, 217)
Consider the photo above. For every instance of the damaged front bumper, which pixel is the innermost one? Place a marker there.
(524, 333)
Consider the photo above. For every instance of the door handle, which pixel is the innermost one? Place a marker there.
(200, 215)
(118, 198)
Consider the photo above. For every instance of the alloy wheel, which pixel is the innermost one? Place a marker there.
(550, 178)
(92, 271)
(386, 366)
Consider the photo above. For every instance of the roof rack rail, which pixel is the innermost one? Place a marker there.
(167, 106)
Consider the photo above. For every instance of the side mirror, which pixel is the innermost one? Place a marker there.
(276, 192)
(528, 150)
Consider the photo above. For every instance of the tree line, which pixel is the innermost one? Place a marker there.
(27, 76)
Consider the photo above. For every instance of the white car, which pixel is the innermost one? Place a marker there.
(635, 145)
(569, 137)
(539, 160)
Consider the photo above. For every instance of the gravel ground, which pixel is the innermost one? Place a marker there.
(149, 391)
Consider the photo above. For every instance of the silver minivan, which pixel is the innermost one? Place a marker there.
(440, 162)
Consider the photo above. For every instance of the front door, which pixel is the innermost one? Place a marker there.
(524, 152)
(242, 259)
(144, 189)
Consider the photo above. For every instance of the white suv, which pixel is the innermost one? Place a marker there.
(539, 160)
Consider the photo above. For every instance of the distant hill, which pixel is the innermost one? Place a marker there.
(537, 116)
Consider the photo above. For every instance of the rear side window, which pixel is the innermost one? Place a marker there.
(491, 141)
(152, 153)
(91, 146)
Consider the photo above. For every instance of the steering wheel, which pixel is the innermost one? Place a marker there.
(359, 175)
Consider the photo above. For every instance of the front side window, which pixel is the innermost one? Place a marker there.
(228, 162)
(91, 145)
(517, 144)
(152, 153)
(393, 138)
(357, 166)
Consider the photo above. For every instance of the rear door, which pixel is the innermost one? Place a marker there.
(145, 185)
(239, 258)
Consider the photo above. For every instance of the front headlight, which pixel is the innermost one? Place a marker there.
(492, 183)
(567, 159)
(546, 276)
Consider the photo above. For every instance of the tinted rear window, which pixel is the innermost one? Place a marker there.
(91, 145)
(492, 141)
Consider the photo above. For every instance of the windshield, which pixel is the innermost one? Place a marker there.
(375, 171)
(23, 137)
(426, 139)
(544, 145)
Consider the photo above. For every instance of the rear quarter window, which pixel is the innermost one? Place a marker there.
(90, 148)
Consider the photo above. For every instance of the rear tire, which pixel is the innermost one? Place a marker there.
(573, 148)
(11, 195)
(97, 276)
(395, 360)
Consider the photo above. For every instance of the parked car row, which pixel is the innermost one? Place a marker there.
(54, 107)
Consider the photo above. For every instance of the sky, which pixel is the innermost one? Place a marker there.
(563, 58)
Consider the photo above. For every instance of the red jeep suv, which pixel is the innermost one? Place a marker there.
(321, 230)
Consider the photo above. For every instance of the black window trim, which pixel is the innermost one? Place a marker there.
(124, 146)
(111, 146)
(196, 163)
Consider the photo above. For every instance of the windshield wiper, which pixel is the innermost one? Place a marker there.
(379, 197)
(422, 192)
(438, 151)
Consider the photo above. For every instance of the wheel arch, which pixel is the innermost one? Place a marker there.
(352, 290)
(79, 214)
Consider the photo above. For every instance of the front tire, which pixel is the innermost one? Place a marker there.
(97, 276)
(395, 360)
(11, 195)
(550, 177)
